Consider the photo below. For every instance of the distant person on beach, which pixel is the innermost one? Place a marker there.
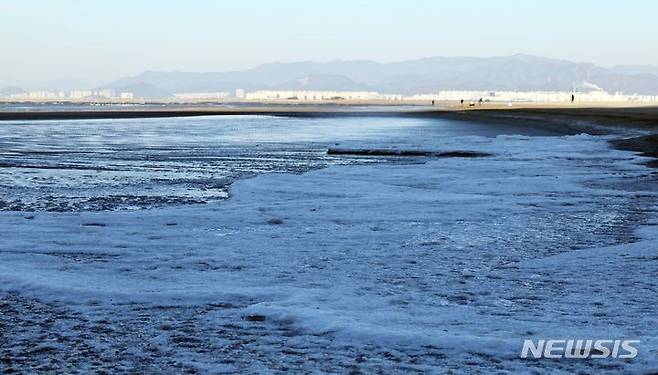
(573, 98)
(480, 101)
(432, 102)
(462, 102)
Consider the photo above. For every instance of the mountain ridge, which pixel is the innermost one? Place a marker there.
(519, 72)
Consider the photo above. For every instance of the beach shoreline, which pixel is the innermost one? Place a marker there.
(636, 126)
(604, 116)
(635, 113)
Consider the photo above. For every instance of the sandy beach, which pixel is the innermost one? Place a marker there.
(603, 115)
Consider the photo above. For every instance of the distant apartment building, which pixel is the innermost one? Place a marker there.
(80, 94)
(106, 93)
(303, 95)
(193, 96)
(34, 95)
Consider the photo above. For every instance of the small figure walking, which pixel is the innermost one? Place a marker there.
(573, 98)
(432, 102)
(462, 102)
(480, 101)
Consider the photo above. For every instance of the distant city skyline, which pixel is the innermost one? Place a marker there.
(77, 43)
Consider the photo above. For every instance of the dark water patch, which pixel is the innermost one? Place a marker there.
(645, 145)
(411, 153)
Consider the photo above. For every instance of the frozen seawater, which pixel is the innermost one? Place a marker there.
(423, 266)
(124, 164)
(97, 165)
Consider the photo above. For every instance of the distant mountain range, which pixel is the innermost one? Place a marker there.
(636, 69)
(517, 72)
(11, 90)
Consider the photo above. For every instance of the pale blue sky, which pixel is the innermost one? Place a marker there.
(95, 41)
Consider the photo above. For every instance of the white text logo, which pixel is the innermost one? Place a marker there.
(573, 348)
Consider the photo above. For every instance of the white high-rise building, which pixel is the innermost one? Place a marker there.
(202, 95)
(41, 95)
(105, 93)
(80, 94)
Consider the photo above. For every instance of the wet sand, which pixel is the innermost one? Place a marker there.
(284, 111)
(604, 117)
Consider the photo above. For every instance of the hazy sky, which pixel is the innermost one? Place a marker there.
(94, 41)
